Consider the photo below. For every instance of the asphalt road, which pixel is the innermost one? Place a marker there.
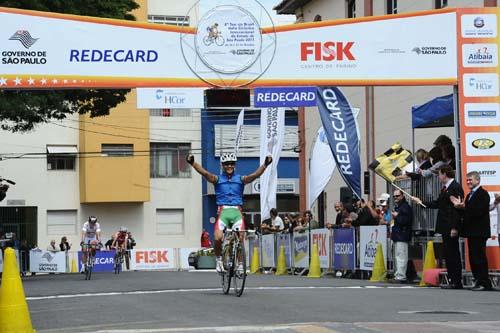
(193, 302)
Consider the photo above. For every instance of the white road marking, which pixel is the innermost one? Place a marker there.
(170, 291)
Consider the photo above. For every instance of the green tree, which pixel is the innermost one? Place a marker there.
(21, 110)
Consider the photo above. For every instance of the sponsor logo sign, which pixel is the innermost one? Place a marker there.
(430, 50)
(479, 55)
(174, 98)
(370, 236)
(344, 249)
(103, 261)
(151, 259)
(23, 55)
(268, 251)
(322, 238)
(479, 26)
(300, 250)
(46, 261)
(326, 51)
(489, 172)
(482, 114)
(483, 144)
(285, 97)
(480, 85)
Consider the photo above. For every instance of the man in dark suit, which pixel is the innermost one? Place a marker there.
(476, 227)
(448, 224)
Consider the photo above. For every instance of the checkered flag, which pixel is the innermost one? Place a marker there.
(24, 37)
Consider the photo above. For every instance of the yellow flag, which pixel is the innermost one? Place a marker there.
(389, 164)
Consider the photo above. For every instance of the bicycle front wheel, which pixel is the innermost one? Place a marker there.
(226, 275)
(240, 269)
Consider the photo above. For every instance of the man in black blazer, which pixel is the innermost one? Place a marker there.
(448, 224)
(476, 227)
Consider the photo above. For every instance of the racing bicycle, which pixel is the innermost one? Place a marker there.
(88, 266)
(234, 261)
(118, 260)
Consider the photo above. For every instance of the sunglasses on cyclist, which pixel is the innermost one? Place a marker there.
(229, 164)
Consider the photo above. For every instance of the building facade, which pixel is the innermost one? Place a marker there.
(385, 116)
(128, 169)
(218, 136)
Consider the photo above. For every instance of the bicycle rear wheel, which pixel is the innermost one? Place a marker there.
(240, 269)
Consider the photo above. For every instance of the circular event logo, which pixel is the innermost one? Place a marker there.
(228, 39)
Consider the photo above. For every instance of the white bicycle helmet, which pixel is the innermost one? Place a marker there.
(123, 229)
(228, 157)
(92, 219)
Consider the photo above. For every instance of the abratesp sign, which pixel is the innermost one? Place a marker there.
(152, 259)
(47, 262)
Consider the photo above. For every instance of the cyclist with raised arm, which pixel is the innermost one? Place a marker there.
(228, 196)
(91, 235)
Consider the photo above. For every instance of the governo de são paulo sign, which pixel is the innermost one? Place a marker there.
(231, 46)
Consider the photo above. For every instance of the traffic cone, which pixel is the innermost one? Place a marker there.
(281, 267)
(429, 261)
(255, 265)
(73, 266)
(14, 313)
(379, 272)
(314, 266)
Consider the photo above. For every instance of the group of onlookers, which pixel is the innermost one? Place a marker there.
(291, 222)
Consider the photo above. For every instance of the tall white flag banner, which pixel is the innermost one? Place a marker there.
(239, 131)
(322, 164)
(321, 167)
(272, 135)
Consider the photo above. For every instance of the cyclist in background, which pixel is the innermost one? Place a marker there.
(229, 196)
(91, 235)
(121, 240)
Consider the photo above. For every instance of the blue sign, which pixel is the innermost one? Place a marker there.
(104, 261)
(344, 249)
(284, 97)
(341, 129)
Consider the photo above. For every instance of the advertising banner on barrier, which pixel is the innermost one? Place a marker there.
(300, 250)
(152, 259)
(104, 261)
(47, 262)
(268, 251)
(369, 237)
(344, 249)
(284, 240)
(322, 238)
(243, 49)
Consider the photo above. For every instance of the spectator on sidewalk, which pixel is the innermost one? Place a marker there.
(276, 221)
(401, 234)
(476, 227)
(205, 239)
(24, 252)
(308, 219)
(52, 246)
(287, 224)
(64, 246)
(447, 224)
(496, 205)
(110, 241)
